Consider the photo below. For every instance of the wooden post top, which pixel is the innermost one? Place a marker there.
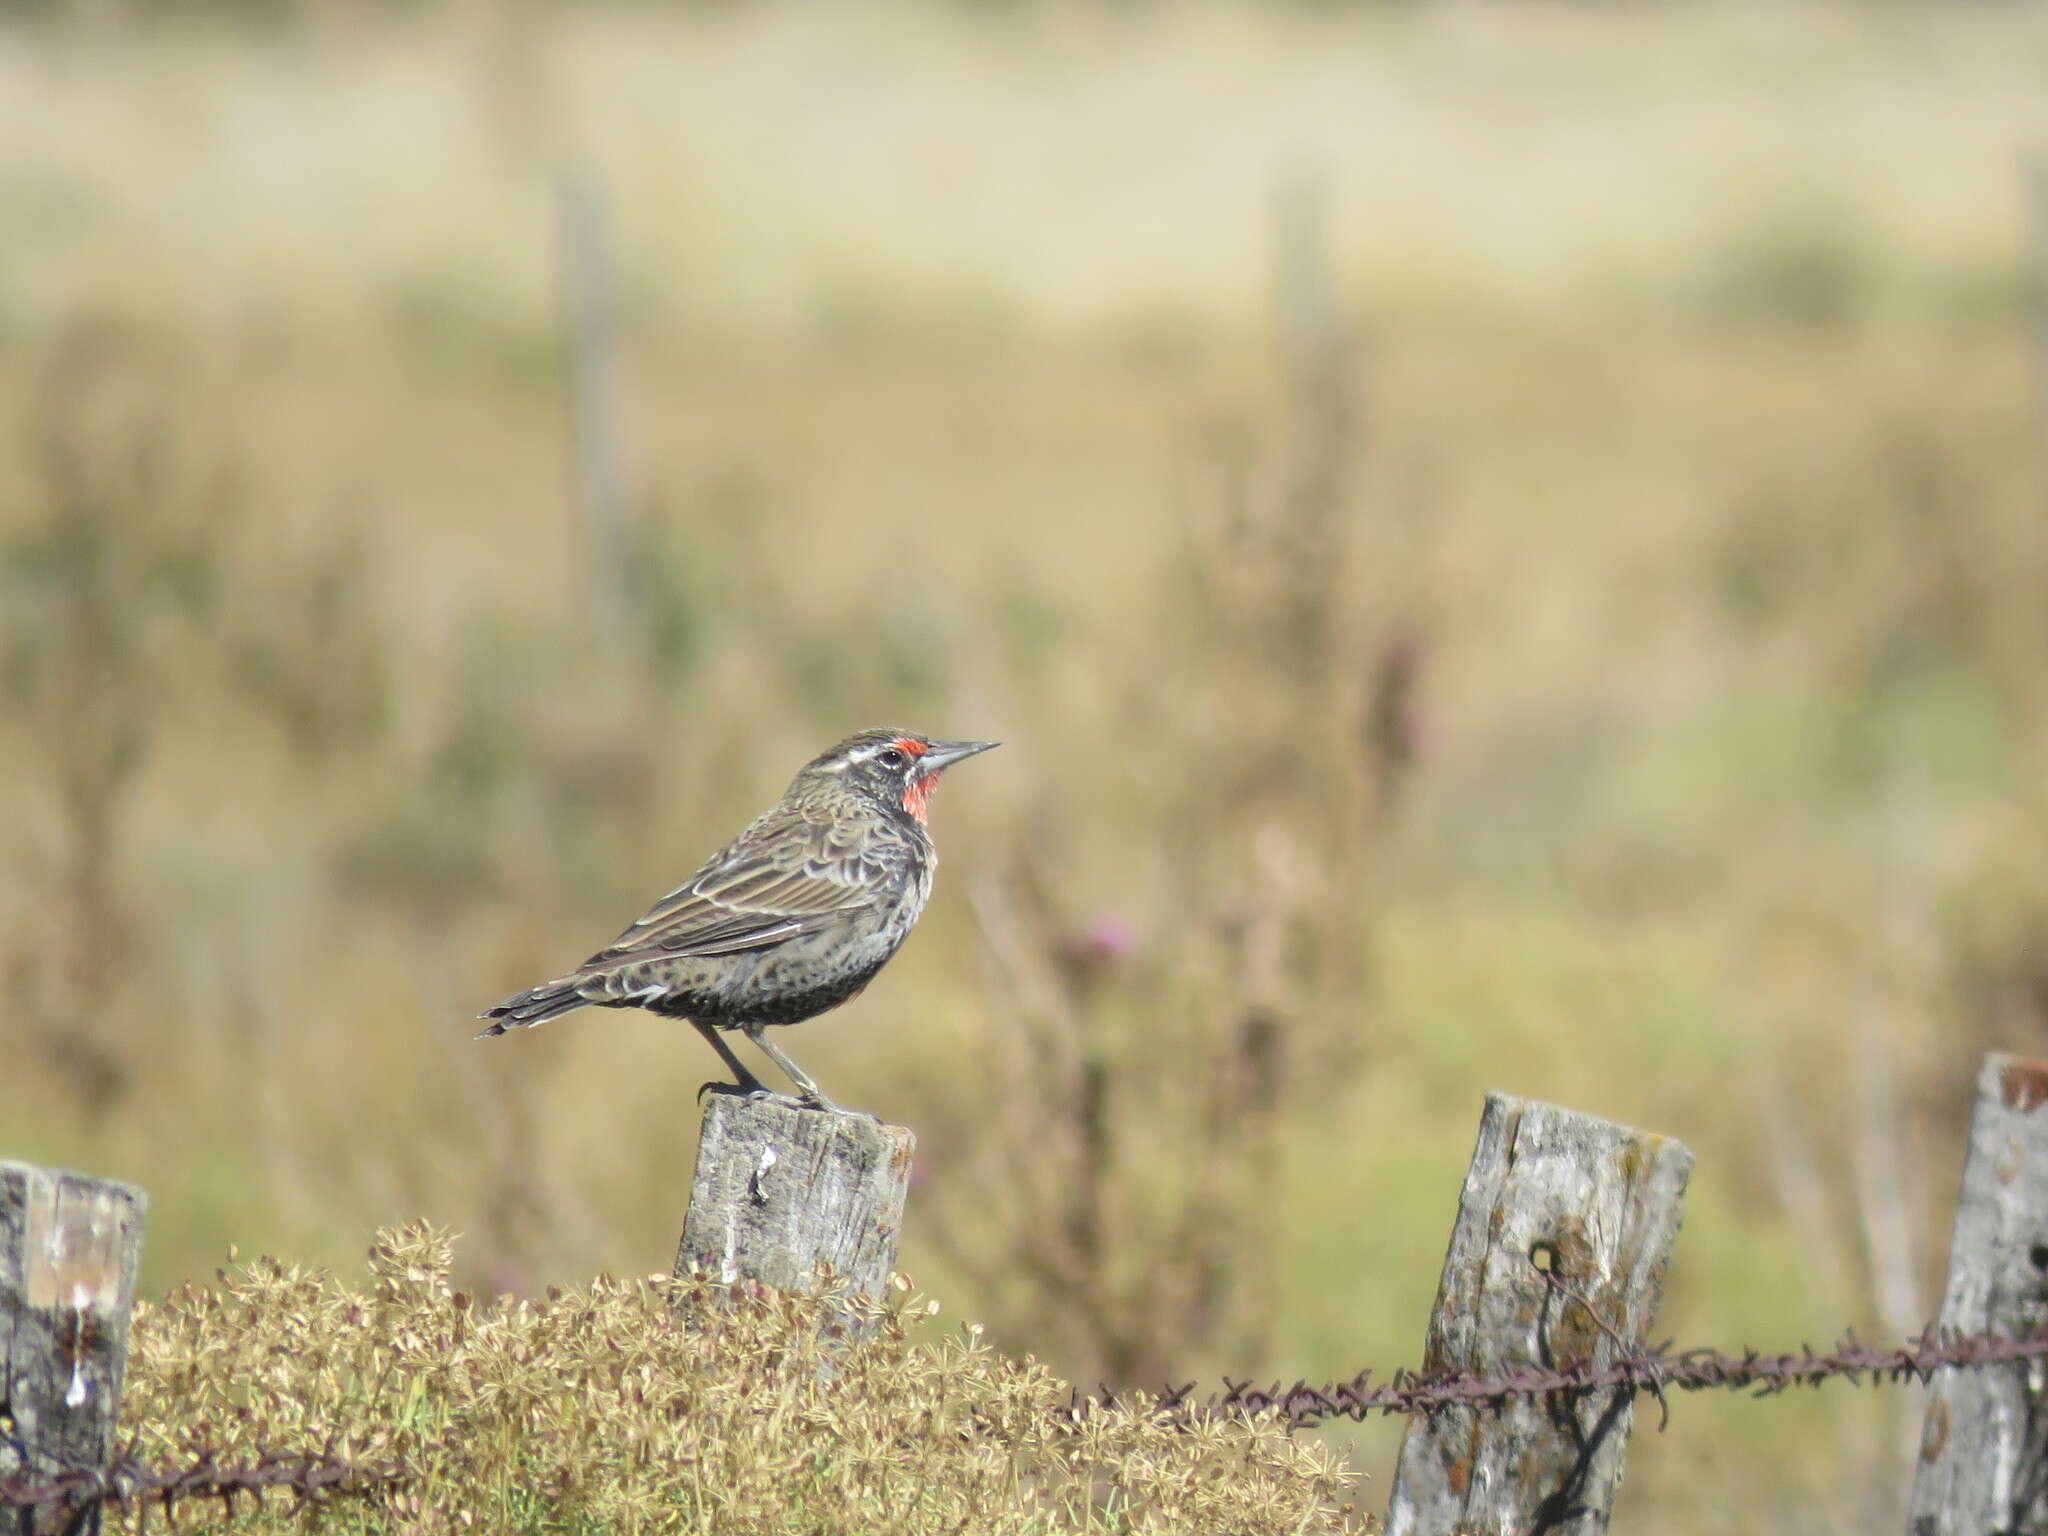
(784, 1191)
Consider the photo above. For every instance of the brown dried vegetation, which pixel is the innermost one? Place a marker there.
(601, 1409)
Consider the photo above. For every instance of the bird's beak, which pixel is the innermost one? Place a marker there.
(943, 754)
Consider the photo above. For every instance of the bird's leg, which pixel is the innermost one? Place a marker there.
(748, 1083)
(810, 1091)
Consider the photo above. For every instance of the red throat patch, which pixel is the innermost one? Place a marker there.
(918, 795)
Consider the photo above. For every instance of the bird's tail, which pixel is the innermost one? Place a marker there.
(536, 1005)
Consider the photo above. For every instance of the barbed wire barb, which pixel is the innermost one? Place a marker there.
(130, 1481)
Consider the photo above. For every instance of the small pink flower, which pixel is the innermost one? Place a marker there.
(1107, 940)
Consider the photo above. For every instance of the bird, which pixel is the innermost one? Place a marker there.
(791, 918)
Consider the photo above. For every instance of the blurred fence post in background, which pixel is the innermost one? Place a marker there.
(780, 1190)
(590, 309)
(1320, 373)
(68, 1251)
(1984, 1447)
(2034, 189)
(1564, 1229)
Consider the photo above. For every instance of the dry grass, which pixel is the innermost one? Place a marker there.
(601, 1409)
(1692, 466)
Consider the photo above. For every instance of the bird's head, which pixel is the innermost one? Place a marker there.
(899, 768)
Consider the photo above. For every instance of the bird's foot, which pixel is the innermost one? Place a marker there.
(755, 1091)
(812, 1099)
(752, 1088)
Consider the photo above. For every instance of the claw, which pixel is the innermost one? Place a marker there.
(816, 1100)
(755, 1089)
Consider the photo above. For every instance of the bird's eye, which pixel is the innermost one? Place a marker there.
(892, 759)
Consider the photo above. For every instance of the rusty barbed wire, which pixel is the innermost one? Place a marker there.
(129, 1481)
(1654, 1372)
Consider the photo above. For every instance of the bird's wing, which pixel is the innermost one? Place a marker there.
(786, 875)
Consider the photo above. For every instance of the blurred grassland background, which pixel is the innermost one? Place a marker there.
(1506, 543)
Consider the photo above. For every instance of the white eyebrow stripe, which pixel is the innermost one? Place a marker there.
(873, 750)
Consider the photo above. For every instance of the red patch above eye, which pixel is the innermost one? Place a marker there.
(909, 744)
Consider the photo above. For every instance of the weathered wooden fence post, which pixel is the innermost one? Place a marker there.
(780, 1190)
(68, 1250)
(1984, 1446)
(1560, 1212)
